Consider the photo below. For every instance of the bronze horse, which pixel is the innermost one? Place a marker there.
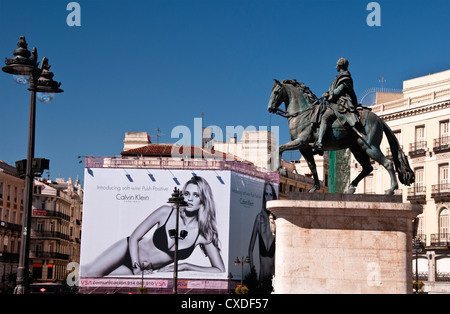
(302, 108)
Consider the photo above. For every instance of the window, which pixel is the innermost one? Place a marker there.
(419, 174)
(369, 187)
(420, 134)
(444, 223)
(443, 177)
(50, 271)
(38, 250)
(419, 146)
(443, 129)
(420, 226)
(40, 227)
(15, 194)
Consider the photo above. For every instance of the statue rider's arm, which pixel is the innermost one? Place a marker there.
(337, 92)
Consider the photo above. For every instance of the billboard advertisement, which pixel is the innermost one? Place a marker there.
(252, 227)
(128, 227)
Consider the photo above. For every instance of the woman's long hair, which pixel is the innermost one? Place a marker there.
(274, 193)
(207, 223)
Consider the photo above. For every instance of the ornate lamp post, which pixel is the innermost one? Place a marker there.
(142, 267)
(417, 247)
(177, 199)
(25, 63)
(242, 261)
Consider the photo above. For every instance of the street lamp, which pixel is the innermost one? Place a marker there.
(142, 267)
(241, 261)
(25, 63)
(417, 248)
(177, 199)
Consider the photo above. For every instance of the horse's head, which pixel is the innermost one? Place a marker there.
(277, 97)
(296, 95)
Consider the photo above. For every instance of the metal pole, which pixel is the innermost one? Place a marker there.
(417, 270)
(242, 271)
(175, 257)
(23, 268)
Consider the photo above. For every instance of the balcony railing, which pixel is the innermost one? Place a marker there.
(417, 148)
(50, 213)
(440, 239)
(416, 193)
(9, 257)
(389, 152)
(50, 234)
(46, 254)
(441, 144)
(10, 226)
(442, 276)
(441, 191)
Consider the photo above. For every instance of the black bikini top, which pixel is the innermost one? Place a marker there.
(160, 241)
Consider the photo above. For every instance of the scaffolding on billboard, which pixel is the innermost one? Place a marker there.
(189, 164)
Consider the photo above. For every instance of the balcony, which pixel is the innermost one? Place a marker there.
(47, 254)
(417, 194)
(441, 145)
(389, 152)
(9, 257)
(10, 226)
(440, 240)
(50, 213)
(50, 234)
(417, 149)
(441, 192)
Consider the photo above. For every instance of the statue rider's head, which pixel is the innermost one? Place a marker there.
(342, 64)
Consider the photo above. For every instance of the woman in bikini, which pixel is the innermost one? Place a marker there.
(197, 222)
(264, 233)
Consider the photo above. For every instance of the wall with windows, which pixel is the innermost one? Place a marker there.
(11, 213)
(420, 121)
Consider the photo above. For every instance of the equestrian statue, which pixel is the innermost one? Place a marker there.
(334, 122)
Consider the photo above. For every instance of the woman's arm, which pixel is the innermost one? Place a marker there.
(144, 227)
(253, 240)
(217, 265)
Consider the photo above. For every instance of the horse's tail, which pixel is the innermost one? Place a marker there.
(405, 173)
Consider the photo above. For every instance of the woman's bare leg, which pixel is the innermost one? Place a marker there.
(108, 261)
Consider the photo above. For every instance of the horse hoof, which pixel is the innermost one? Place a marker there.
(350, 190)
(314, 189)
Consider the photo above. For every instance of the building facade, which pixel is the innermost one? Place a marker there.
(11, 214)
(419, 117)
(55, 228)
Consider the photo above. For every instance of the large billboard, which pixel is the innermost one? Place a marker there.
(128, 226)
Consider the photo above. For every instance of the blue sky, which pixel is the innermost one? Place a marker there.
(137, 66)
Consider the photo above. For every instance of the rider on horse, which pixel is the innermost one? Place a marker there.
(342, 102)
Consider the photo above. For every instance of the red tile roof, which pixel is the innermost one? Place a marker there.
(172, 150)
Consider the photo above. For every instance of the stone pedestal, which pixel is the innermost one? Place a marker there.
(339, 243)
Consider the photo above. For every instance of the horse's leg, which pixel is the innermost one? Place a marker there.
(367, 168)
(375, 153)
(307, 153)
(292, 145)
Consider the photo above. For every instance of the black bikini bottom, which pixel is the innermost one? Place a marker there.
(127, 257)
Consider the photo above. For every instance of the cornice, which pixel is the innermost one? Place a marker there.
(415, 111)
